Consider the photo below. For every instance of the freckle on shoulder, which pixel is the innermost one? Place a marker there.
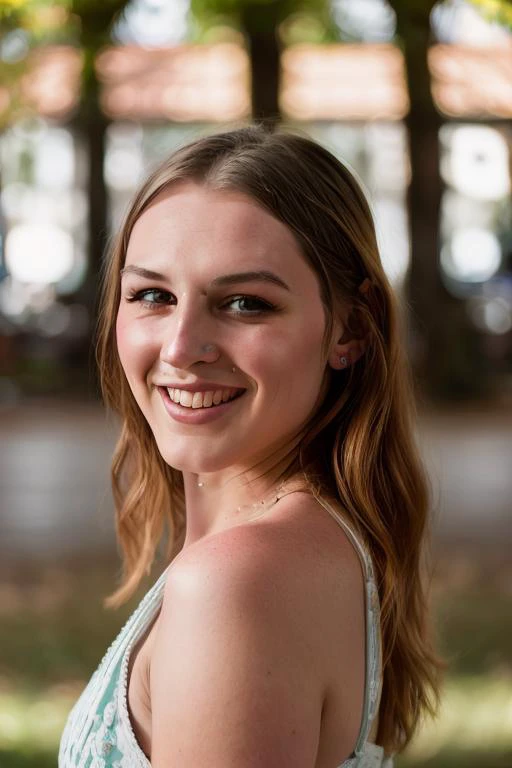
(302, 539)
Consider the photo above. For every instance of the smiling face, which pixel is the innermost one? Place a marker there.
(217, 298)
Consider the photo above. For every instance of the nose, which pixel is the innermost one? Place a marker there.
(188, 339)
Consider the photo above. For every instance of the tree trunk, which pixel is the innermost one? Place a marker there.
(260, 26)
(445, 357)
(93, 127)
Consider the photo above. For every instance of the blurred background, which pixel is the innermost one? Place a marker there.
(416, 96)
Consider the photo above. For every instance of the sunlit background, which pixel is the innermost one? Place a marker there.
(419, 104)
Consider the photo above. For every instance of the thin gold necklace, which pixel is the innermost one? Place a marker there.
(264, 505)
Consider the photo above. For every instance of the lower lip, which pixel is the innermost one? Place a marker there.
(196, 415)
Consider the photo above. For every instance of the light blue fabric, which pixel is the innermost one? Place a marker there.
(98, 732)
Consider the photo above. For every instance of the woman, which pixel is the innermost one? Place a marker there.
(249, 340)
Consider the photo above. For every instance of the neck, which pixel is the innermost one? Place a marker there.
(218, 501)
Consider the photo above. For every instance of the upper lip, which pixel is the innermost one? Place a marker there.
(200, 386)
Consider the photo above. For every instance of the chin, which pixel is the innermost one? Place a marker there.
(198, 462)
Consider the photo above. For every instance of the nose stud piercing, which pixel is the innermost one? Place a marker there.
(210, 348)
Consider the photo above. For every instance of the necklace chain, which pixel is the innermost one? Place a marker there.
(263, 505)
(266, 504)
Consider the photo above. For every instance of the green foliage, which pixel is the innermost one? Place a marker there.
(304, 27)
(83, 23)
(208, 13)
(40, 19)
(13, 758)
(457, 758)
(499, 11)
(14, 11)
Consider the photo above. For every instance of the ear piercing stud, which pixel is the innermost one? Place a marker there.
(343, 361)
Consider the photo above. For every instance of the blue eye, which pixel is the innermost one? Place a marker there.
(150, 297)
(249, 305)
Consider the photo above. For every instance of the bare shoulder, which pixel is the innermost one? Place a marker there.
(257, 565)
(253, 619)
(300, 546)
(234, 677)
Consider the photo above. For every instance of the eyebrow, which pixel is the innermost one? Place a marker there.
(141, 272)
(262, 276)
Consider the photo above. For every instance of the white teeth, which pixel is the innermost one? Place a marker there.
(197, 400)
(200, 399)
(186, 398)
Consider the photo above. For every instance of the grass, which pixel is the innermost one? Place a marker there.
(52, 641)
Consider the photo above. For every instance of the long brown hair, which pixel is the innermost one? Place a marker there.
(360, 447)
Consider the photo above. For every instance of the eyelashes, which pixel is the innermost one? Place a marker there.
(258, 305)
(142, 297)
(248, 306)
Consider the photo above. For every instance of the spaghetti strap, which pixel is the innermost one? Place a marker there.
(358, 546)
(373, 652)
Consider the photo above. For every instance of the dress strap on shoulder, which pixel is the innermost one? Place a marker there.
(373, 667)
(360, 548)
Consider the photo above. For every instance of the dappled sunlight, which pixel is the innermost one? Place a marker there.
(476, 713)
(35, 719)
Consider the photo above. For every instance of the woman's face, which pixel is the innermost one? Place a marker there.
(216, 297)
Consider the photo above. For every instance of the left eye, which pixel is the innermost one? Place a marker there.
(249, 305)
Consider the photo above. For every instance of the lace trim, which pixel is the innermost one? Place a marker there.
(93, 738)
(122, 701)
(372, 756)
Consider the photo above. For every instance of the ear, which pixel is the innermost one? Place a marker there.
(345, 351)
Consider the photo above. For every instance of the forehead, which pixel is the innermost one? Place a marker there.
(192, 221)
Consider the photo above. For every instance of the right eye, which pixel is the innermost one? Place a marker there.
(150, 298)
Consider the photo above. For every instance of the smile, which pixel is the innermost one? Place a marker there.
(208, 399)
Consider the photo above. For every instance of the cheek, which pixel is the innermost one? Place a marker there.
(290, 364)
(135, 347)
